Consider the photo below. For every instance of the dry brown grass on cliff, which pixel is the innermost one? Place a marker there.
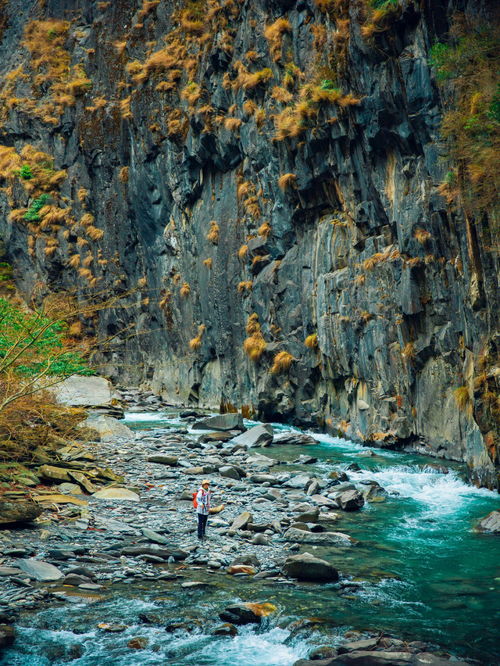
(191, 93)
(245, 286)
(195, 343)
(422, 236)
(213, 232)
(74, 261)
(281, 362)
(243, 252)
(311, 342)
(286, 181)
(208, 262)
(281, 95)
(185, 290)
(408, 352)
(463, 398)
(94, 233)
(380, 257)
(255, 345)
(274, 34)
(264, 229)
(35, 422)
(232, 124)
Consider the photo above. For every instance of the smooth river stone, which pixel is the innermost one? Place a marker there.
(42, 571)
(320, 538)
(117, 494)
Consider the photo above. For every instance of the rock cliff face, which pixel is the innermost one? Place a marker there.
(265, 176)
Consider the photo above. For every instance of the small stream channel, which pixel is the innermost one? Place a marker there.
(420, 572)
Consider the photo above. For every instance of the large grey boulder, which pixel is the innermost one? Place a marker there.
(239, 614)
(158, 551)
(107, 427)
(298, 482)
(117, 494)
(221, 422)
(42, 571)
(241, 521)
(319, 538)
(172, 461)
(229, 472)
(18, 512)
(261, 435)
(294, 438)
(490, 523)
(7, 635)
(369, 658)
(307, 567)
(78, 391)
(350, 500)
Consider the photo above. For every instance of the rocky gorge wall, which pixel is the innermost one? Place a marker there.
(265, 177)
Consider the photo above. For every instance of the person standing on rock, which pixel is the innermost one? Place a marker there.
(203, 498)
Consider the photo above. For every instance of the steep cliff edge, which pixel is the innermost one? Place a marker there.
(268, 177)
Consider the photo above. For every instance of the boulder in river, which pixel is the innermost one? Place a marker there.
(249, 613)
(226, 629)
(490, 523)
(220, 422)
(107, 427)
(18, 512)
(309, 568)
(7, 635)
(319, 538)
(261, 435)
(42, 571)
(350, 500)
(294, 439)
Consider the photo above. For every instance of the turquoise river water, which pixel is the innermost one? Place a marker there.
(420, 572)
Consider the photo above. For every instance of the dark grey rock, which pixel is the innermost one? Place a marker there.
(490, 523)
(18, 512)
(309, 568)
(261, 435)
(220, 422)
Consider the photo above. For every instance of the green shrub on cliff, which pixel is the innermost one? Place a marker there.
(467, 70)
(32, 214)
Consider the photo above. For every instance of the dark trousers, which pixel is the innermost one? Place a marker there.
(202, 525)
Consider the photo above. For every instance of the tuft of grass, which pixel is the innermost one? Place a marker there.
(380, 257)
(422, 236)
(232, 124)
(274, 35)
(467, 66)
(243, 252)
(195, 343)
(213, 233)
(264, 229)
(255, 346)
(408, 352)
(245, 286)
(281, 362)
(185, 290)
(208, 262)
(311, 342)
(463, 399)
(286, 181)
